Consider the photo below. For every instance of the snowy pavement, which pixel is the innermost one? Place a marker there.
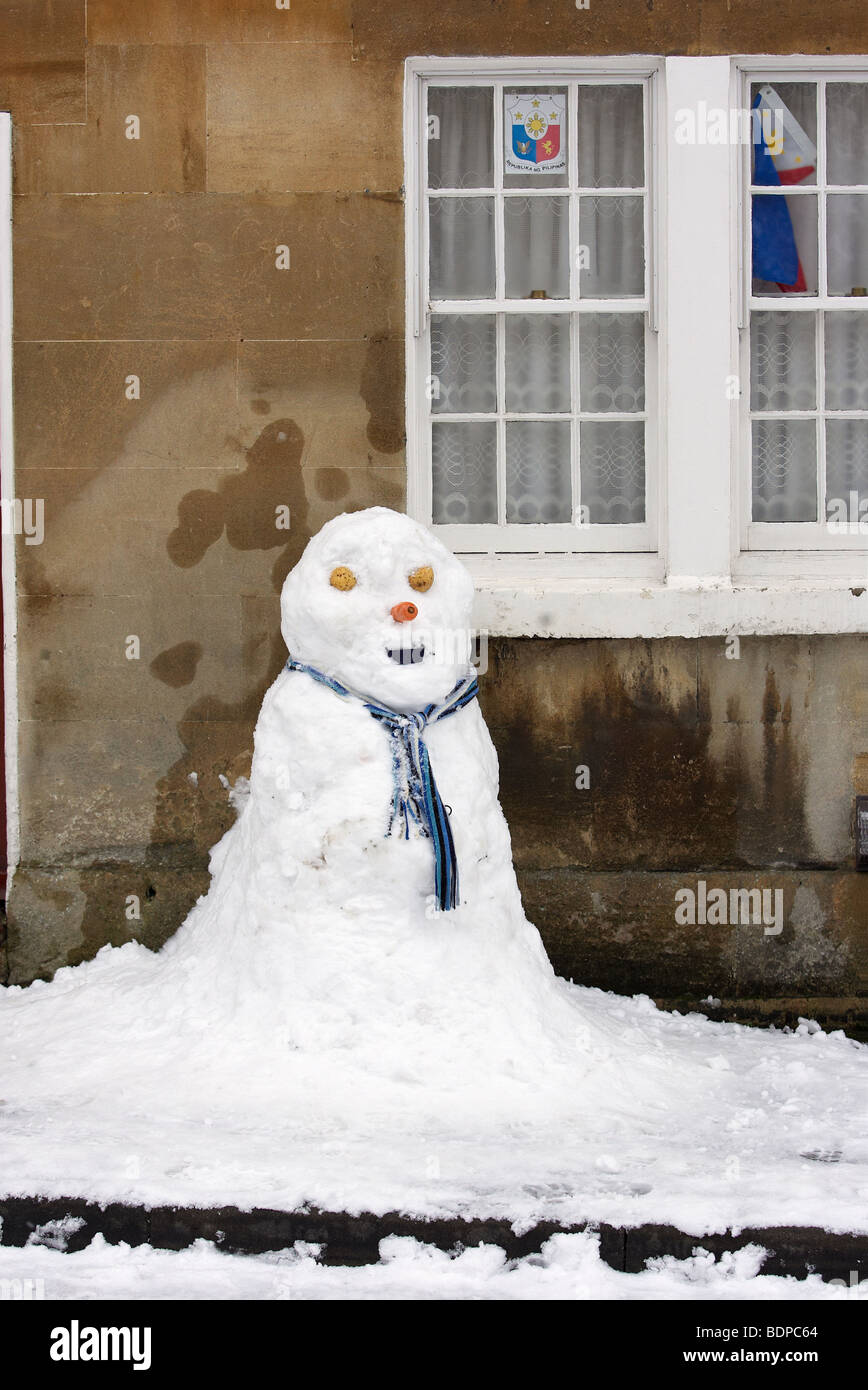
(671, 1118)
(568, 1267)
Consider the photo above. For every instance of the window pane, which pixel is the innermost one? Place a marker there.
(786, 128)
(464, 459)
(535, 138)
(846, 466)
(782, 362)
(847, 126)
(462, 248)
(613, 471)
(463, 363)
(784, 244)
(784, 470)
(537, 232)
(460, 137)
(612, 361)
(847, 240)
(846, 361)
(612, 233)
(611, 139)
(538, 484)
(537, 362)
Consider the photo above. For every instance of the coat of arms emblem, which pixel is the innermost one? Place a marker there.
(533, 124)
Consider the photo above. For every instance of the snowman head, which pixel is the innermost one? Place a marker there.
(380, 605)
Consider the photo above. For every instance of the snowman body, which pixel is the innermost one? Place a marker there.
(320, 906)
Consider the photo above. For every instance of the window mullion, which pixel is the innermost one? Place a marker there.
(575, 293)
(499, 248)
(500, 290)
(573, 183)
(822, 268)
(500, 341)
(820, 344)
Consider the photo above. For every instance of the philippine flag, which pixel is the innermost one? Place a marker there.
(775, 254)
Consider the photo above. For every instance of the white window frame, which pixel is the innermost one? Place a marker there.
(793, 536)
(701, 581)
(619, 548)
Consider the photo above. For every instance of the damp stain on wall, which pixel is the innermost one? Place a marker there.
(262, 507)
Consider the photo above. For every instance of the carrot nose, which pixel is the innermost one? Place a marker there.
(404, 612)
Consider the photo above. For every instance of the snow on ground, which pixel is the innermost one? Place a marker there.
(568, 1267)
(707, 1126)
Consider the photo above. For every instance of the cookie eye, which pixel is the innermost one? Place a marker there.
(342, 578)
(421, 579)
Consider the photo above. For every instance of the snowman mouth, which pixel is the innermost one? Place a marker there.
(406, 656)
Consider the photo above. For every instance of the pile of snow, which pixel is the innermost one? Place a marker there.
(568, 1267)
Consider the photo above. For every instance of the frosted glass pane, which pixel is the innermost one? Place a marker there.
(789, 130)
(782, 362)
(784, 470)
(846, 132)
(612, 231)
(611, 140)
(612, 462)
(537, 362)
(847, 361)
(612, 361)
(462, 248)
(847, 466)
(847, 242)
(463, 364)
(537, 232)
(460, 137)
(464, 465)
(538, 471)
(784, 237)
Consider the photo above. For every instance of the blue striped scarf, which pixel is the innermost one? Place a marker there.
(416, 800)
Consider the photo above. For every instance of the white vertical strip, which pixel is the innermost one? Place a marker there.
(573, 182)
(413, 97)
(820, 345)
(499, 231)
(744, 241)
(822, 196)
(823, 289)
(500, 292)
(7, 490)
(575, 405)
(500, 341)
(741, 458)
(698, 316)
(575, 293)
(649, 201)
(415, 201)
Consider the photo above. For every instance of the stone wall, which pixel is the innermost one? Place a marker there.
(261, 388)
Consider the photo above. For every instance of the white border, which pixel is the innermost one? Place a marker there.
(7, 489)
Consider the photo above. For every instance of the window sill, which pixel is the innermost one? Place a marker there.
(545, 599)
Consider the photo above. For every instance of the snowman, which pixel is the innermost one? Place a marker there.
(368, 880)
